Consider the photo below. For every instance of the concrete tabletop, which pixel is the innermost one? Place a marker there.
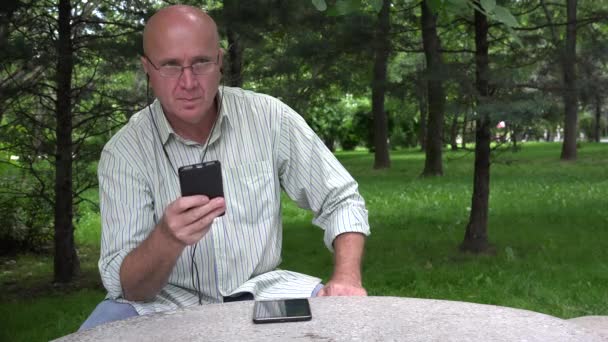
(599, 324)
(347, 319)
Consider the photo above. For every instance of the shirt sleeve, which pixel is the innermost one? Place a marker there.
(312, 176)
(127, 215)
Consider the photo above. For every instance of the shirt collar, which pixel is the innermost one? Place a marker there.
(166, 131)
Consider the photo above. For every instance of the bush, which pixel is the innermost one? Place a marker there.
(404, 135)
(349, 141)
(27, 220)
(587, 126)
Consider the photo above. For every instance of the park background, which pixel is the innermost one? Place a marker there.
(474, 129)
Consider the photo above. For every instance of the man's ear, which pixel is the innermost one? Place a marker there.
(221, 60)
(144, 65)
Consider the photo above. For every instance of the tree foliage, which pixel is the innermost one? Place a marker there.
(70, 65)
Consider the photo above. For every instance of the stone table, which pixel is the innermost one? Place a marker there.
(599, 324)
(347, 319)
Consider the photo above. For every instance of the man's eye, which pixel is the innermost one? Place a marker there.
(171, 69)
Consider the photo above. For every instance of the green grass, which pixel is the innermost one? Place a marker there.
(548, 222)
(46, 317)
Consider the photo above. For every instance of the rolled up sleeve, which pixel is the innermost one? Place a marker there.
(312, 176)
(127, 215)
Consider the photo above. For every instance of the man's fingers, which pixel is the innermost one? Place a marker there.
(191, 224)
(205, 215)
(188, 202)
(193, 233)
(196, 214)
(341, 290)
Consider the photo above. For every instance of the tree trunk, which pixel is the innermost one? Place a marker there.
(66, 261)
(381, 49)
(476, 235)
(598, 117)
(235, 53)
(422, 106)
(6, 14)
(330, 143)
(433, 165)
(234, 66)
(570, 96)
(454, 133)
(465, 122)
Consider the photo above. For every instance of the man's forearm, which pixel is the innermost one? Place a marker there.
(145, 271)
(348, 253)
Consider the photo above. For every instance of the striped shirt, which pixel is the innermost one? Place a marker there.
(264, 146)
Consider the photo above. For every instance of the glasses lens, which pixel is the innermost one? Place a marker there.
(202, 68)
(170, 70)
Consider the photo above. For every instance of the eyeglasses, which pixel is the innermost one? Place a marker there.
(175, 71)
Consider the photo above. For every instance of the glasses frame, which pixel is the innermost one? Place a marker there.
(191, 66)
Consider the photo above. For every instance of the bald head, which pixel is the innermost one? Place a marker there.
(184, 37)
(165, 23)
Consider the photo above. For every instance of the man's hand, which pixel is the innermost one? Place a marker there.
(146, 269)
(342, 288)
(188, 219)
(346, 280)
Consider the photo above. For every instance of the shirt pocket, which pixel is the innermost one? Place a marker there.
(251, 193)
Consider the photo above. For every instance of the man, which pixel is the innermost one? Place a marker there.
(161, 251)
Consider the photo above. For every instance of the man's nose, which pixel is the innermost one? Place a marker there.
(188, 79)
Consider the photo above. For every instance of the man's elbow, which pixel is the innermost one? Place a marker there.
(135, 294)
(137, 297)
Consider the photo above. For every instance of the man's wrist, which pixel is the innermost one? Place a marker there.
(353, 278)
(165, 235)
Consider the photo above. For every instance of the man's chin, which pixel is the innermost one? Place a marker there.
(192, 119)
(192, 116)
(189, 113)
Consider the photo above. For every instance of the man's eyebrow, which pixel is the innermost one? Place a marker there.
(202, 59)
(169, 61)
(195, 59)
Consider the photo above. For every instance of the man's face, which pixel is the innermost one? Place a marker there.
(187, 98)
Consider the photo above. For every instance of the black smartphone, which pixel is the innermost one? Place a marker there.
(283, 310)
(202, 179)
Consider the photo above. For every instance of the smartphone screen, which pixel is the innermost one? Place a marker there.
(285, 310)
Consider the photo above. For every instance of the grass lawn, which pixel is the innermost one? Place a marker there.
(548, 222)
